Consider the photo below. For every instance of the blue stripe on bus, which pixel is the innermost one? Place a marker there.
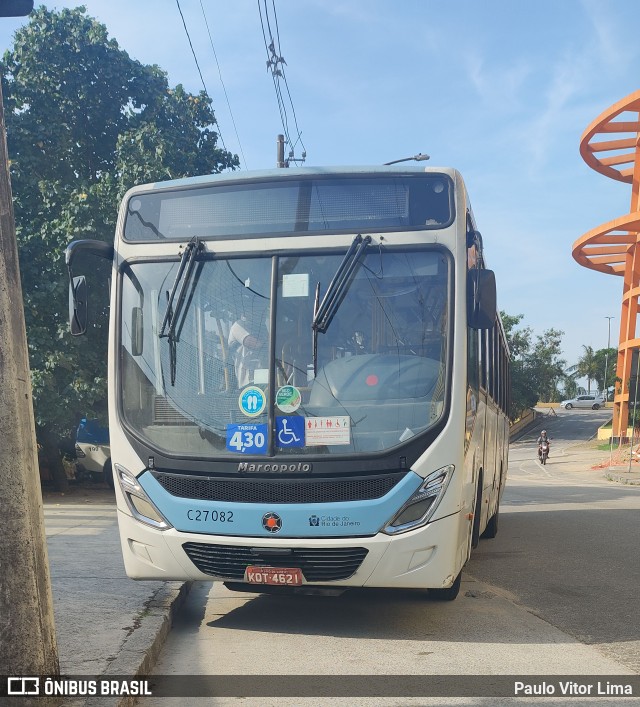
(296, 520)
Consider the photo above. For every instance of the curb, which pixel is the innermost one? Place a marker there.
(140, 650)
(623, 478)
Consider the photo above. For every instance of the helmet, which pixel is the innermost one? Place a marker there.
(544, 432)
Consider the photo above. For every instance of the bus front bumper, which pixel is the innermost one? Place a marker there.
(429, 557)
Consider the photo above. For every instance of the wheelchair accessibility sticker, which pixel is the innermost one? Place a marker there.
(252, 401)
(290, 431)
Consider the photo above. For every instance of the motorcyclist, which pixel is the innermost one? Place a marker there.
(543, 438)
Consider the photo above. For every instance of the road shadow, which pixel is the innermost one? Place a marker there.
(577, 570)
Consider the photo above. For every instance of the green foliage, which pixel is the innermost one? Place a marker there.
(536, 366)
(633, 419)
(592, 366)
(547, 368)
(85, 122)
(570, 387)
(523, 392)
(605, 359)
(588, 366)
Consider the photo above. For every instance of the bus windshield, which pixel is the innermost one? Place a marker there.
(240, 376)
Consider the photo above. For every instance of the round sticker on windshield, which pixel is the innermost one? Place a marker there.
(252, 401)
(288, 398)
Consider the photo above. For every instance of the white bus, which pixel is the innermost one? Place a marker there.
(308, 379)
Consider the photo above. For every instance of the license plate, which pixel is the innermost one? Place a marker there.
(278, 576)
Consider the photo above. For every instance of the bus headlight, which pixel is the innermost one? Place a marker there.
(419, 509)
(140, 505)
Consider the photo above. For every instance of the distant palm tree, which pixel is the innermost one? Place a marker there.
(588, 366)
(570, 383)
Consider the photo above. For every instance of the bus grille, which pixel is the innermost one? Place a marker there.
(241, 490)
(317, 564)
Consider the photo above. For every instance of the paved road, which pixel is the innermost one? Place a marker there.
(570, 540)
(555, 593)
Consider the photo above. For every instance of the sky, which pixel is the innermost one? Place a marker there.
(500, 89)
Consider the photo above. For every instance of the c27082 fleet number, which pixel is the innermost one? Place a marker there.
(204, 516)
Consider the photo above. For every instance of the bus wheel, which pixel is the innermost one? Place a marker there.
(492, 526)
(108, 474)
(448, 594)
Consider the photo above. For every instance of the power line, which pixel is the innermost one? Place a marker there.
(273, 61)
(284, 76)
(276, 64)
(280, 73)
(193, 51)
(223, 86)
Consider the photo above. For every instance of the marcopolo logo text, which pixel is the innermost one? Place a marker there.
(275, 468)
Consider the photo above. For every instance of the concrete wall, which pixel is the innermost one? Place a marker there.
(526, 421)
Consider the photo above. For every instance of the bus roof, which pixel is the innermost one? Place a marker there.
(292, 172)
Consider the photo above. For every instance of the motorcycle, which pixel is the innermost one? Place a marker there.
(543, 452)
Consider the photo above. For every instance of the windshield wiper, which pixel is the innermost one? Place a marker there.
(325, 311)
(178, 295)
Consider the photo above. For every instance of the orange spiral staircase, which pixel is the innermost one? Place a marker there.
(611, 146)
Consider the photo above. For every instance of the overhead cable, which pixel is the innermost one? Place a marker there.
(275, 65)
(223, 86)
(199, 71)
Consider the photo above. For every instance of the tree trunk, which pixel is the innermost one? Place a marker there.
(27, 632)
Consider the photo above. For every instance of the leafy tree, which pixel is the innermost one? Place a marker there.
(592, 366)
(519, 340)
(606, 359)
(536, 366)
(588, 366)
(523, 393)
(84, 123)
(546, 365)
(570, 385)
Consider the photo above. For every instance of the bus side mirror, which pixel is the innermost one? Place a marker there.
(78, 305)
(481, 298)
(16, 8)
(78, 311)
(137, 335)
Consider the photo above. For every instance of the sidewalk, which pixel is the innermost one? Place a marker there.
(586, 459)
(584, 456)
(106, 624)
(613, 464)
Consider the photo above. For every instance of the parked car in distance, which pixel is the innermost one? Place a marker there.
(593, 402)
(93, 452)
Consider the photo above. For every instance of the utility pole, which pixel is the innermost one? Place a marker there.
(280, 162)
(27, 634)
